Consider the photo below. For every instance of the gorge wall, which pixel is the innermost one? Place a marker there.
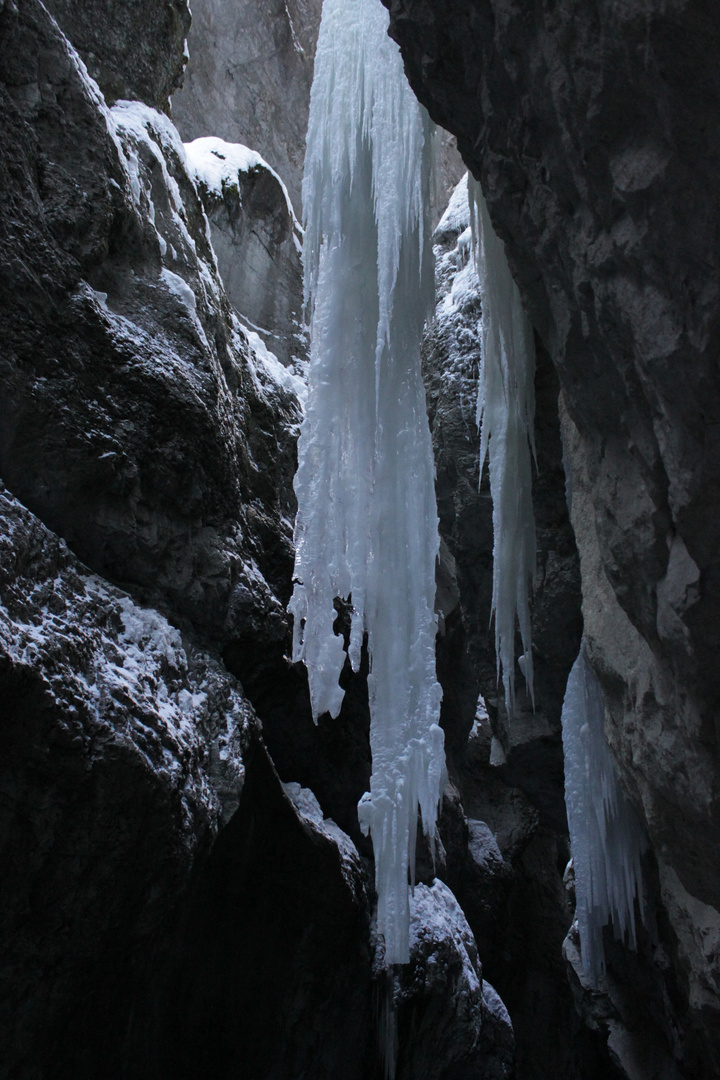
(177, 896)
(591, 129)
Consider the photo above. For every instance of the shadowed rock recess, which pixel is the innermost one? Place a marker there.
(185, 891)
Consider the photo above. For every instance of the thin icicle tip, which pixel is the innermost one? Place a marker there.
(506, 417)
(367, 527)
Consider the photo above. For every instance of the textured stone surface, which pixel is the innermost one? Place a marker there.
(530, 739)
(589, 127)
(248, 79)
(258, 243)
(168, 909)
(122, 745)
(134, 49)
(268, 966)
(135, 420)
(449, 1021)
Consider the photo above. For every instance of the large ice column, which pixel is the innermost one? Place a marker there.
(505, 415)
(606, 837)
(367, 520)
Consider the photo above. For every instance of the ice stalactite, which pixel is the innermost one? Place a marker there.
(606, 836)
(505, 416)
(367, 524)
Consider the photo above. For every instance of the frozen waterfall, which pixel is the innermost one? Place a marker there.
(505, 416)
(367, 525)
(606, 837)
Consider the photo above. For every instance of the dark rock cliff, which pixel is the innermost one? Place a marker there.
(168, 907)
(136, 49)
(592, 128)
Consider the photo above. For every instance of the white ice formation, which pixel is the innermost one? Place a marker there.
(367, 520)
(505, 416)
(606, 837)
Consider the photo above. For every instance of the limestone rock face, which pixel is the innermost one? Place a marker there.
(123, 750)
(135, 419)
(135, 49)
(257, 241)
(248, 79)
(590, 128)
(450, 1021)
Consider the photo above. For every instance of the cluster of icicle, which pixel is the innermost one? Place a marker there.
(367, 524)
(606, 837)
(505, 416)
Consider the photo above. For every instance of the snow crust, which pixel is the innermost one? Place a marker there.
(606, 836)
(366, 529)
(505, 416)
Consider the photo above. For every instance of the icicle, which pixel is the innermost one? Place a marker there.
(367, 521)
(505, 416)
(606, 837)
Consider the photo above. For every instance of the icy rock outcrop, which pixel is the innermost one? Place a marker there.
(450, 1021)
(122, 748)
(257, 240)
(366, 528)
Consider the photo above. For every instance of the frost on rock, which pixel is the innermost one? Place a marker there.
(117, 673)
(367, 521)
(505, 416)
(606, 836)
(450, 1020)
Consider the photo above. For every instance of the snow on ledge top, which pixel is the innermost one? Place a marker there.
(214, 162)
(457, 215)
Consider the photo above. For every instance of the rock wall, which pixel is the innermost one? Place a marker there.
(169, 907)
(590, 127)
(249, 77)
(136, 50)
